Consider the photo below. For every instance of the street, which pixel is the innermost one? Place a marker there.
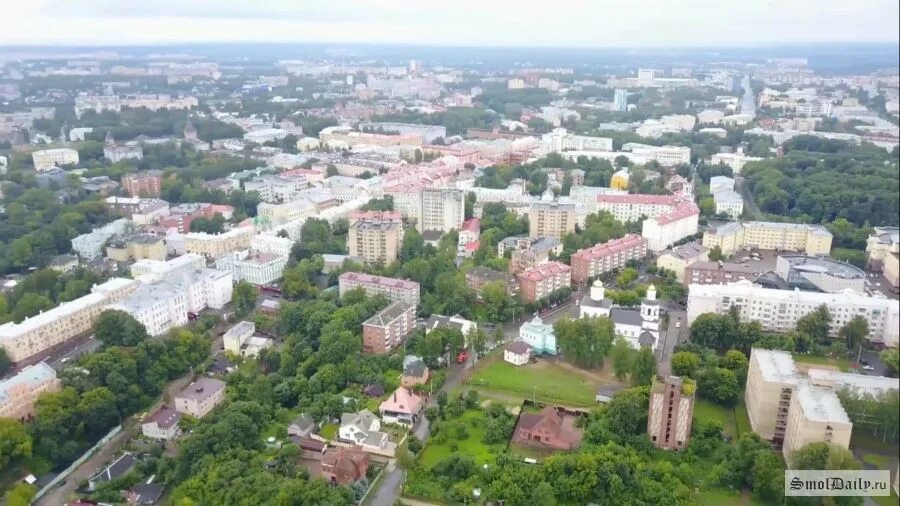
(670, 338)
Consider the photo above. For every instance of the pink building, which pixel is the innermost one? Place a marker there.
(541, 281)
(18, 394)
(402, 407)
(469, 234)
(394, 289)
(591, 262)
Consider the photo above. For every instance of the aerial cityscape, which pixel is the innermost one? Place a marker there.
(363, 254)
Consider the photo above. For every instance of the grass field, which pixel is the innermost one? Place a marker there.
(471, 446)
(706, 411)
(545, 380)
(741, 418)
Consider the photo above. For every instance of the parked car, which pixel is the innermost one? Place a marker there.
(462, 357)
(868, 368)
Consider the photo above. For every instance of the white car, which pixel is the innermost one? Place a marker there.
(868, 368)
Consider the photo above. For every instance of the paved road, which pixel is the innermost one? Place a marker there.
(671, 337)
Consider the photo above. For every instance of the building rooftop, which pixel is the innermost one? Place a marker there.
(863, 383)
(887, 235)
(32, 375)
(359, 277)
(242, 328)
(823, 265)
(164, 417)
(638, 199)
(775, 365)
(820, 404)
(687, 251)
(816, 229)
(519, 347)
(681, 212)
(725, 266)
(732, 227)
(609, 247)
(542, 272)
(728, 197)
(201, 389)
(389, 314)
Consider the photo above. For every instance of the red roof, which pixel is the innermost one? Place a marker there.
(638, 198)
(473, 246)
(545, 271)
(683, 211)
(359, 277)
(608, 248)
(471, 225)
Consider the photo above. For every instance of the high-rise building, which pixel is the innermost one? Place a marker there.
(388, 328)
(552, 219)
(443, 209)
(375, 237)
(671, 412)
(620, 101)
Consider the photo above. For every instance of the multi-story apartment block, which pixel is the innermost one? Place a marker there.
(137, 247)
(389, 328)
(255, 267)
(605, 257)
(620, 101)
(375, 236)
(268, 243)
(90, 246)
(670, 227)
(883, 252)
(734, 160)
(147, 183)
(43, 331)
(277, 214)
(636, 206)
(729, 203)
(44, 159)
(679, 257)
(528, 252)
(815, 415)
(810, 239)
(718, 273)
(116, 154)
(560, 140)
(671, 412)
(19, 393)
(394, 289)
(443, 209)
(771, 379)
(779, 310)
(159, 306)
(216, 245)
(552, 219)
(200, 397)
(541, 281)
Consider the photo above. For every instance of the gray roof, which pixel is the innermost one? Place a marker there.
(646, 339)
(148, 493)
(688, 251)
(375, 438)
(626, 316)
(304, 421)
(118, 468)
(389, 314)
(518, 347)
(416, 369)
(589, 302)
(362, 418)
(203, 388)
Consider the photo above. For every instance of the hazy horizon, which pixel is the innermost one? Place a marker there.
(650, 24)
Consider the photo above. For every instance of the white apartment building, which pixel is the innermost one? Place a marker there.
(679, 121)
(668, 228)
(270, 243)
(68, 320)
(620, 101)
(734, 160)
(729, 202)
(200, 397)
(443, 209)
(264, 135)
(254, 267)
(560, 140)
(90, 246)
(216, 245)
(779, 310)
(766, 235)
(515, 84)
(116, 154)
(163, 268)
(240, 340)
(45, 159)
(159, 306)
(632, 207)
(586, 196)
(203, 287)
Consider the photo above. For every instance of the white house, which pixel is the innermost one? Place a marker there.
(362, 428)
(163, 424)
(517, 352)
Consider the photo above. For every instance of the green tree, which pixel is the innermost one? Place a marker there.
(243, 298)
(815, 324)
(768, 477)
(644, 368)
(20, 495)
(736, 362)
(890, 357)
(824, 456)
(586, 341)
(854, 332)
(715, 254)
(413, 245)
(623, 357)
(118, 328)
(98, 409)
(5, 362)
(719, 385)
(685, 364)
(15, 443)
(29, 305)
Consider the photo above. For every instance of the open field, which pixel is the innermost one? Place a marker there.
(548, 381)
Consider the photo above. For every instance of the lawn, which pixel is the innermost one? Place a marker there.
(741, 418)
(329, 431)
(723, 497)
(472, 446)
(879, 461)
(705, 411)
(545, 380)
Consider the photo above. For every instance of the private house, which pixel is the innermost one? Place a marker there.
(517, 352)
(356, 427)
(415, 372)
(163, 424)
(551, 428)
(344, 466)
(145, 494)
(200, 397)
(402, 407)
(302, 426)
(117, 469)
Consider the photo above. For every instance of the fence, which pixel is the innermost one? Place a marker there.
(61, 476)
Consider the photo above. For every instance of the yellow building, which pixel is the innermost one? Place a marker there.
(810, 239)
(815, 416)
(679, 257)
(376, 241)
(137, 248)
(216, 245)
(551, 219)
(619, 180)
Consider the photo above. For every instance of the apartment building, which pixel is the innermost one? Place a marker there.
(815, 415)
(679, 257)
(718, 273)
(734, 160)
(528, 252)
(159, 306)
(771, 379)
(635, 206)
(729, 203)
(671, 412)
(388, 328)
(116, 154)
(19, 393)
(90, 246)
(216, 245)
(541, 281)
(883, 253)
(146, 183)
(672, 226)
(552, 219)
(257, 267)
(45, 159)
(560, 140)
(55, 326)
(375, 236)
(295, 210)
(779, 310)
(274, 244)
(443, 209)
(394, 289)
(810, 239)
(200, 397)
(137, 247)
(605, 257)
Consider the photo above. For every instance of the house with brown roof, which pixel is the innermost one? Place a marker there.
(552, 428)
(517, 352)
(344, 465)
(163, 424)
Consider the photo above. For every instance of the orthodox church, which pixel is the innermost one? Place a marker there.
(639, 327)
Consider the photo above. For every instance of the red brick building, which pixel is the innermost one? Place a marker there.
(551, 428)
(591, 262)
(541, 281)
(389, 328)
(344, 465)
(143, 184)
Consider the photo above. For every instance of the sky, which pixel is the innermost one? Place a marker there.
(515, 23)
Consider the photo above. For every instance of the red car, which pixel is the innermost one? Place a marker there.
(462, 357)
